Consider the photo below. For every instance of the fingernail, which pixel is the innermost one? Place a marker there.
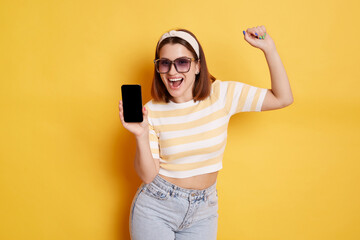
(256, 34)
(244, 32)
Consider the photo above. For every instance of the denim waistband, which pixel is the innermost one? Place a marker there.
(174, 190)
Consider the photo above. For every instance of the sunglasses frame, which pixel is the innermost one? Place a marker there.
(173, 63)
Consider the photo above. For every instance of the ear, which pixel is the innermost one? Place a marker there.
(198, 67)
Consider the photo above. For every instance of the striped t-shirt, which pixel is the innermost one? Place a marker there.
(189, 138)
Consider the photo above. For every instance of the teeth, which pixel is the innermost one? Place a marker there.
(175, 79)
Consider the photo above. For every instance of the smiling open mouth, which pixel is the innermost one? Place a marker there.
(175, 82)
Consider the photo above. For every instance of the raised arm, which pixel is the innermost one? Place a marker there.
(280, 94)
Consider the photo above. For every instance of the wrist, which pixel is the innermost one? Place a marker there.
(271, 50)
(142, 137)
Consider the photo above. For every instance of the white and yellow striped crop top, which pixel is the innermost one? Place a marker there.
(189, 138)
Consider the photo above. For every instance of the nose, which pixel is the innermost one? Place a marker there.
(172, 69)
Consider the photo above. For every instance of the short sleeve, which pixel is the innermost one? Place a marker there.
(244, 97)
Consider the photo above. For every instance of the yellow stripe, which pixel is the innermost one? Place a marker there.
(155, 151)
(194, 152)
(183, 112)
(230, 96)
(194, 138)
(243, 96)
(255, 100)
(153, 138)
(183, 126)
(190, 166)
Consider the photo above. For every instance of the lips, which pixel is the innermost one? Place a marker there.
(175, 83)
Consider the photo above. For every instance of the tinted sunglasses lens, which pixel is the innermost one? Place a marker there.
(182, 65)
(163, 65)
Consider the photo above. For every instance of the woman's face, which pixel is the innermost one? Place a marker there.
(179, 85)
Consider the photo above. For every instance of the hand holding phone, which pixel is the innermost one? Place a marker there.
(132, 103)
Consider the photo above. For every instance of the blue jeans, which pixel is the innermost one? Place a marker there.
(164, 211)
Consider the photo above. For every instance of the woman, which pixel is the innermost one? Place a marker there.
(180, 143)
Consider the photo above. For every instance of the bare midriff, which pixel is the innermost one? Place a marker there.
(196, 182)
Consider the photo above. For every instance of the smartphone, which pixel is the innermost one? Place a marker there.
(132, 103)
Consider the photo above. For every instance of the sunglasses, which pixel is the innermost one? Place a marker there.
(182, 64)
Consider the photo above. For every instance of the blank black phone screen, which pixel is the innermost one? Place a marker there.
(132, 103)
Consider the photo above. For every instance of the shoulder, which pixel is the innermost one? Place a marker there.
(156, 106)
(217, 85)
(221, 84)
(226, 86)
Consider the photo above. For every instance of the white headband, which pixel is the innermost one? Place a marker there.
(183, 35)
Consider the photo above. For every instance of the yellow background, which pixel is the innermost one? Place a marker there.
(66, 163)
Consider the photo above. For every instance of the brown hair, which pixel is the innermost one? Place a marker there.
(203, 80)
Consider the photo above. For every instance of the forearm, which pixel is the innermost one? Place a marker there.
(280, 85)
(144, 162)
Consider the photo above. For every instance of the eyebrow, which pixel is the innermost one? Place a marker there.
(176, 58)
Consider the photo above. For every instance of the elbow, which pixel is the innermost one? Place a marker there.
(146, 172)
(148, 176)
(287, 102)
(148, 179)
